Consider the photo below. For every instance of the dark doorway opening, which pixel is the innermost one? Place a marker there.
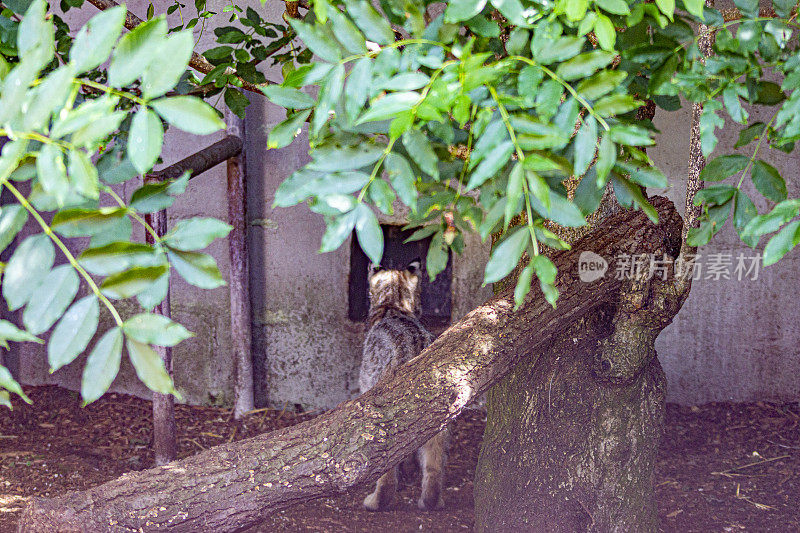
(436, 299)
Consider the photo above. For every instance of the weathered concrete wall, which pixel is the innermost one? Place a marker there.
(732, 340)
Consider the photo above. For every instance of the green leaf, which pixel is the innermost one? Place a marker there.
(585, 142)
(421, 151)
(730, 96)
(82, 222)
(189, 114)
(667, 7)
(155, 329)
(155, 294)
(437, 257)
(52, 172)
(646, 176)
(402, 179)
(94, 133)
(118, 256)
(135, 51)
(506, 255)
(369, 233)
(374, 26)
(584, 65)
(358, 84)
(27, 268)
(329, 94)
(102, 365)
(605, 32)
(236, 101)
(152, 197)
(144, 140)
(695, 7)
(149, 367)
(332, 158)
(168, 64)
(49, 301)
(10, 332)
(616, 7)
(317, 41)
(82, 174)
(197, 269)
(630, 135)
(493, 162)
(8, 382)
(523, 286)
(459, 10)
(74, 331)
(338, 229)
(769, 222)
(710, 121)
(714, 195)
(284, 133)
(780, 244)
(382, 196)
(513, 11)
(749, 134)
(561, 210)
(723, 167)
(12, 220)
(700, 236)
(196, 233)
(616, 104)
(743, 212)
(288, 97)
(35, 36)
(389, 106)
(347, 33)
(514, 192)
(768, 181)
(749, 8)
(561, 50)
(49, 96)
(95, 40)
(132, 281)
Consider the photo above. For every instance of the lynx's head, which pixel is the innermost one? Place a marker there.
(396, 288)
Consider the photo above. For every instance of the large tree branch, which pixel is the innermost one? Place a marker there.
(235, 485)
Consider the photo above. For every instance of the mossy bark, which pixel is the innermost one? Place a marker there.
(572, 435)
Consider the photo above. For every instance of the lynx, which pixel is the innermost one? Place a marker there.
(395, 336)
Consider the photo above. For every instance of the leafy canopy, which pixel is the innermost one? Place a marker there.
(481, 112)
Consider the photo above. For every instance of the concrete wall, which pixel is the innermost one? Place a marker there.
(732, 340)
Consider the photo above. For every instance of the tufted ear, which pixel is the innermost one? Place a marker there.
(414, 266)
(373, 269)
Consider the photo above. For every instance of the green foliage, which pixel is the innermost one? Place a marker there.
(57, 115)
(450, 108)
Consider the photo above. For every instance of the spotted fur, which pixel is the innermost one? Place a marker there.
(395, 336)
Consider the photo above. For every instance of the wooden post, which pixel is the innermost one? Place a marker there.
(164, 439)
(241, 334)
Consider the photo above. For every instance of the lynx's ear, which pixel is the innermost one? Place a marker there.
(414, 266)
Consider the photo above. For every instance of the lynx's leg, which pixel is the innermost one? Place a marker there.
(432, 458)
(383, 496)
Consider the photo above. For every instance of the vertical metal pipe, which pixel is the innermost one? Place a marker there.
(164, 429)
(241, 334)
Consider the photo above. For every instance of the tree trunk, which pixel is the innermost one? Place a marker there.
(235, 485)
(572, 436)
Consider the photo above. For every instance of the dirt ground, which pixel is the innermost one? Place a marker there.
(722, 467)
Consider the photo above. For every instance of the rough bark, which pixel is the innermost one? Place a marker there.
(239, 274)
(571, 438)
(235, 485)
